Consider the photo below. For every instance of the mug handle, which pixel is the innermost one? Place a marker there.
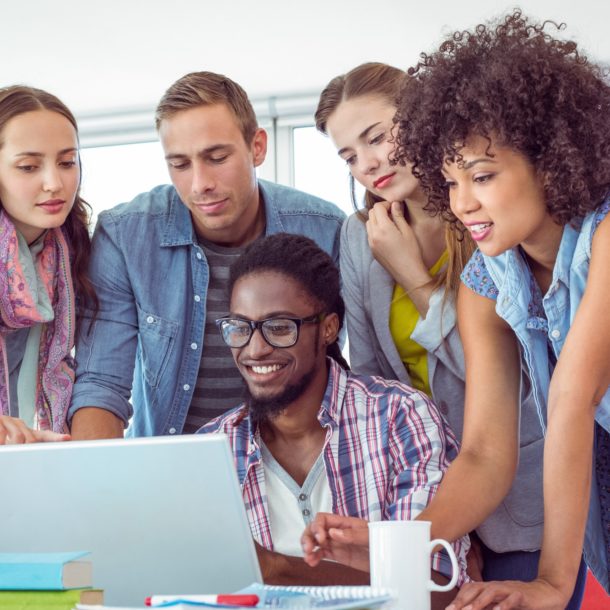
(432, 586)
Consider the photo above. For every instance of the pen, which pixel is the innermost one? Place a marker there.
(230, 599)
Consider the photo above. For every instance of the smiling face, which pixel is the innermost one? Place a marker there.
(498, 196)
(213, 170)
(361, 130)
(39, 171)
(278, 377)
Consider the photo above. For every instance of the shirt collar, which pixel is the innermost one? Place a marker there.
(329, 413)
(273, 222)
(330, 409)
(179, 230)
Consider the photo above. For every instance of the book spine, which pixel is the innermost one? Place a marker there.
(45, 599)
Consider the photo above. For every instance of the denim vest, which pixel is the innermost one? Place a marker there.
(511, 276)
(151, 278)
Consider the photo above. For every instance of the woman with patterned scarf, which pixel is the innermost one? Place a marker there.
(44, 254)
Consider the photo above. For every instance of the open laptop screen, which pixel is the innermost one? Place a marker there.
(159, 515)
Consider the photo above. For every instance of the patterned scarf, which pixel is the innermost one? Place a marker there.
(18, 309)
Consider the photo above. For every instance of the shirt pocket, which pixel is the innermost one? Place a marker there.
(156, 344)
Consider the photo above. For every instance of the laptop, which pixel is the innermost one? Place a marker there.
(160, 515)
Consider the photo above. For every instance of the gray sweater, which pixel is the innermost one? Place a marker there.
(367, 290)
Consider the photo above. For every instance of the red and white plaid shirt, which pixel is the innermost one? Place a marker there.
(386, 450)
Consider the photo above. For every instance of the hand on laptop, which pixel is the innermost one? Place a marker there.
(342, 539)
(14, 432)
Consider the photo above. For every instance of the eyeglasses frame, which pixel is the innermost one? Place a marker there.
(258, 325)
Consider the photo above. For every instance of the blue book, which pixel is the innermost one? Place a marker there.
(51, 571)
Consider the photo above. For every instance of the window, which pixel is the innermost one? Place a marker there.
(317, 168)
(115, 174)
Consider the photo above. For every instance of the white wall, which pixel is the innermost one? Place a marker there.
(115, 54)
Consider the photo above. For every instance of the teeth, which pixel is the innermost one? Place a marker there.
(263, 370)
(480, 227)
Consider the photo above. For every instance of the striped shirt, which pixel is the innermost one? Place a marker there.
(386, 450)
(219, 384)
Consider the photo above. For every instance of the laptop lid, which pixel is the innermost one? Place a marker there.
(160, 515)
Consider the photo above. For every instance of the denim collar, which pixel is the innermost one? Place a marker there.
(179, 230)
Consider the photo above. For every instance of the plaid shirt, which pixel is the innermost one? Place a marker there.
(385, 453)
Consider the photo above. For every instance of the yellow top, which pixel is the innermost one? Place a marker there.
(403, 318)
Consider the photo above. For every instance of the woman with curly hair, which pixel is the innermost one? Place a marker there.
(507, 129)
(400, 266)
(44, 254)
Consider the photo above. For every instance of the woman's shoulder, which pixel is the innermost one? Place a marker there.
(476, 276)
(355, 225)
(601, 212)
(587, 226)
(354, 241)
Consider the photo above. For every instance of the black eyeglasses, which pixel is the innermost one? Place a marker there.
(277, 332)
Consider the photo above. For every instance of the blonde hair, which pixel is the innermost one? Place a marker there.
(204, 88)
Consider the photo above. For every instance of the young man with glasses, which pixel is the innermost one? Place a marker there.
(160, 263)
(311, 436)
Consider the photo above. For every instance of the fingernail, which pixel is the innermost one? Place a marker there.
(451, 607)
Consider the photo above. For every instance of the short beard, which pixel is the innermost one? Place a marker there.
(263, 410)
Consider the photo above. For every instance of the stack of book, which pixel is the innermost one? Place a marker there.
(42, 581)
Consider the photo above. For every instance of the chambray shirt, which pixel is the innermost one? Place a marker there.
(386, 450)
(541, 324)
(151, 278)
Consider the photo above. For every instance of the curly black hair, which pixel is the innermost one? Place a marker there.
(514, 84)
(302, 260)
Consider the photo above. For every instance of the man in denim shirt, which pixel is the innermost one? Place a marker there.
(160, 264)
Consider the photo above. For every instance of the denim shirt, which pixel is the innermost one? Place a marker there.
(151, 279)
(512, 279)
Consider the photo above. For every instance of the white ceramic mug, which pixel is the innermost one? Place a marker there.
(400, 556)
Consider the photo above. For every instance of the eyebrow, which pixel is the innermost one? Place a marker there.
(206, 151)
(360, 136)
(470, 164)
(273, 314)
(39, 154)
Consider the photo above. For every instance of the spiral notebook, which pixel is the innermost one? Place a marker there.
(330, 598)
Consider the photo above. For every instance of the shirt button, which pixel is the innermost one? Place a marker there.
(306, 512)
(186, 387)
(303, 497)
(172, 430)
(199, 255)
(197, 298)
(193, 346)
(555, 333)
(150, 319)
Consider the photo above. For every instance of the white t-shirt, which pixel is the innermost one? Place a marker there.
(292, 507)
